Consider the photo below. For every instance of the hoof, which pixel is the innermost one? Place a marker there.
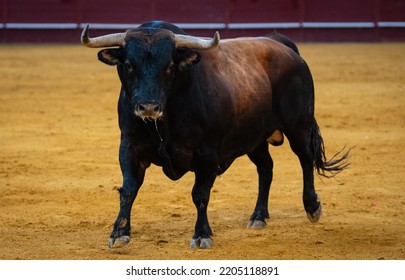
(118, 242)
(256, 224)
(314, 217)
(202, 243)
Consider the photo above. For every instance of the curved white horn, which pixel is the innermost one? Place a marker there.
(191, 42)
(110, 40)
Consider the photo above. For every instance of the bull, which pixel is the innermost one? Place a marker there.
(196, 104)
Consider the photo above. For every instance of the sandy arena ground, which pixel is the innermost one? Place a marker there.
(59, 169)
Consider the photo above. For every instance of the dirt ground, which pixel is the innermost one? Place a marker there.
(59, 169)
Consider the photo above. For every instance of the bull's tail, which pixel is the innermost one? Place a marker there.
(324, 167)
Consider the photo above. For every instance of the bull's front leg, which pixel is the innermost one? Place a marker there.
(205, 174)
(133, 172)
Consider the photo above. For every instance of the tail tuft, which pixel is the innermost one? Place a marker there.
(324, 167)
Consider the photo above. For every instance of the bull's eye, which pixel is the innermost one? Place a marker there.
(170, 69)
(128, 67)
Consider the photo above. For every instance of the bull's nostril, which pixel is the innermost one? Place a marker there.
(141, 108)
(148, 110)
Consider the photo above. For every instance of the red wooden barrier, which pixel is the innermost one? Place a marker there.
(303, 20)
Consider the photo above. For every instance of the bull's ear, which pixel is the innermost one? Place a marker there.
(110, 56)
(186, 58)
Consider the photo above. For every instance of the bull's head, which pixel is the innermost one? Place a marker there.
(149, 61)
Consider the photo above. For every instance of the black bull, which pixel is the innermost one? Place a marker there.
(194, 104)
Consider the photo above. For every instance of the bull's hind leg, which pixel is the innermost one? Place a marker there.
(300, 142)
(264, 163)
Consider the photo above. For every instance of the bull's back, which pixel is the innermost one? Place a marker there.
(239, 76)
(246, 69)
(243, 72)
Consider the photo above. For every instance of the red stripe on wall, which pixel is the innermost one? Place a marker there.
(303, 20)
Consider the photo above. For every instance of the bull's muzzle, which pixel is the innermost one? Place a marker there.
(151, 111)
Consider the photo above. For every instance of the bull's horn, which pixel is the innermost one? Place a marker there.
(110, 40)
(184, 41)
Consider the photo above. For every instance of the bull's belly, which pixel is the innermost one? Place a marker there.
(180, 159)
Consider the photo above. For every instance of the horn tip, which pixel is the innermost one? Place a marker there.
(85, 35)
(216, 38)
